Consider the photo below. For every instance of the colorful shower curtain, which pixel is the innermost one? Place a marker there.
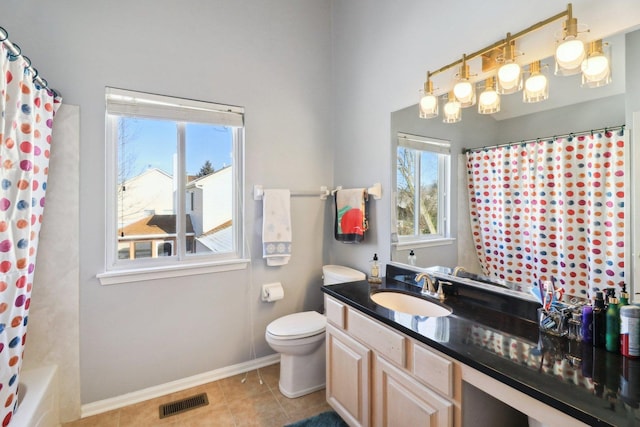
(25, 137)
(551, 208)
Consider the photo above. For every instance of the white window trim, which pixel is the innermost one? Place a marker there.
(444, 170)
(423, 243)
(167, 271)
(171, 266)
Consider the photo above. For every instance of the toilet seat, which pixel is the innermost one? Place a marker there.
(297, 325)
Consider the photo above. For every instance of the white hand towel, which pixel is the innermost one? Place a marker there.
(276, 226)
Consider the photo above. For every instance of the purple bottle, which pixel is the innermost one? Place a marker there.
(587, 324)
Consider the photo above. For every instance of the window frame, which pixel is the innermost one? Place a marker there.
(443, 149)
(132, 104)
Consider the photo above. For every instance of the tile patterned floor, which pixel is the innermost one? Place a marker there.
(231, 404)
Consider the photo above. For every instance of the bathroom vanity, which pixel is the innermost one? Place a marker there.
(481, 365)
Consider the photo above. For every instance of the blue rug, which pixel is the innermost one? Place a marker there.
(325, 419)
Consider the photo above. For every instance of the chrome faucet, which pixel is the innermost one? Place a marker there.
(428, 287)
(457, 270)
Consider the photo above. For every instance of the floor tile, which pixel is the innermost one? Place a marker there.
(301, 403)
(258, 407)
(232, 403)
(107, 419)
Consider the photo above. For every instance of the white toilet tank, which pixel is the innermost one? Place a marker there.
(333, 274)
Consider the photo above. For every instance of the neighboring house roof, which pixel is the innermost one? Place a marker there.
(150, 171)
(197, 180)
(218, 239)
(154, 225)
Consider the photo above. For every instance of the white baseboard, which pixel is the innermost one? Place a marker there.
(117, 402)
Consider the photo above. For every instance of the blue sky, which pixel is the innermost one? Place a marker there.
(154, 145)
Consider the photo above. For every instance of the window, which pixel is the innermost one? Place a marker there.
(422, 188)
(175, 183)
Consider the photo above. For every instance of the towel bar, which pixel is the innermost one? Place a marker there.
(375, 191)
(258, 192)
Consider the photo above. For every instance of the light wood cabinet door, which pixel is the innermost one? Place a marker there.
(348, 373)
(399, 400)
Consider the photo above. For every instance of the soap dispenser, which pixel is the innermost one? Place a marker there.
(374, 277)
(412, 257)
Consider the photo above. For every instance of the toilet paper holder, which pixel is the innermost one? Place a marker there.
(272, 292)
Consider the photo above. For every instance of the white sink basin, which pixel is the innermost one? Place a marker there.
(409, 304)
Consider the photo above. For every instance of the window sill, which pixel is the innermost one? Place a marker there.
(417, 244)
(114, 277)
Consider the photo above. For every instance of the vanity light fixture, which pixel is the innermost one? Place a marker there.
(464, 89)
(489, 101)
(510, 72)
(596, 68)
(536, 87)
(499, 60)
(452, 110)
(570, 51)
(428, 101)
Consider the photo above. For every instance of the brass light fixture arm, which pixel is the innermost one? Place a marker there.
(510, 37)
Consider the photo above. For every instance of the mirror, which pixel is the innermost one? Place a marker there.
(569, 108)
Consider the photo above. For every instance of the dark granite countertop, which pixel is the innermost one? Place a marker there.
(590, 384)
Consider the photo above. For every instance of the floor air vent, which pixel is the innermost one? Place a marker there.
(184, 405)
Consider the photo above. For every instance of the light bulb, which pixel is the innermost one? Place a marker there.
(596, 67)
(452, 110)
(428, 103)
(489, 102)
(535, 83)
(536, 88)
(428, 106)
(488, 97)
(508, 74)
(463, 91)
(569, 55)
(509, 78)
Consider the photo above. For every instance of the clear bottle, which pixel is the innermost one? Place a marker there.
(374, 277)
(412, 257)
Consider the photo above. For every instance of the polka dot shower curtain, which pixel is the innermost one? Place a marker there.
(25, 137)
(552, 208)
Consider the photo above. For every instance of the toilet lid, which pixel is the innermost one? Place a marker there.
(295, 325)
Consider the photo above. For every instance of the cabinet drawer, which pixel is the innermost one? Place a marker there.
(433, 370)
(335, 311)
(388, 343)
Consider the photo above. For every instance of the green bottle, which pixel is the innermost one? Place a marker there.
(624, 295)
(612, 338)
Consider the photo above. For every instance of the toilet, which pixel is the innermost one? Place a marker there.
(300, 340)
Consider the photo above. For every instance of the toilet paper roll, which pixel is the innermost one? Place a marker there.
(272, 292)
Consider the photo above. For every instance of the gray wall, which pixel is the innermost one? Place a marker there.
(318, 79)
(272, 57)
(381, 55)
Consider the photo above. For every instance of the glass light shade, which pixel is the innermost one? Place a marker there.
(489, 101)
(465, 93)
(428, 105)
(569, 56)
(536, 88)
(509, 78)
(596, 69)
(452, 111)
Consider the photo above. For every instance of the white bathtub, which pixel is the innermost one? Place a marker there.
(37, 399)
